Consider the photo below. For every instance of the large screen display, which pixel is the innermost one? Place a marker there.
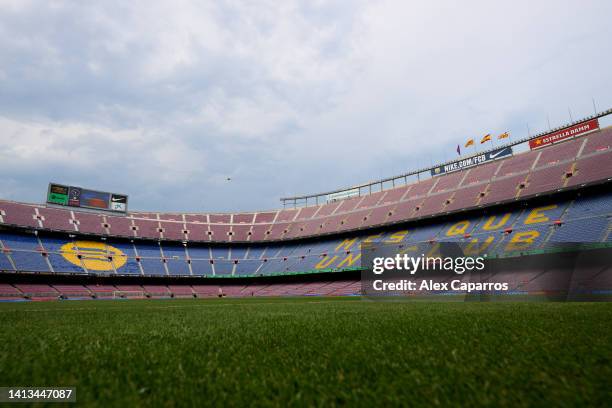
(57, 194)
(81, 197)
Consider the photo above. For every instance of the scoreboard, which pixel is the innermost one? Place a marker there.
(80, 197)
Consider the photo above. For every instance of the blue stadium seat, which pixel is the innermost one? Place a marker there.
(29, 261)
(583, 230)
(248, 267)
(223, 267)
(220, 252)
(199, 253)
(272, 266)
(176, 259)
(178, 267)
(153, 266)
(201, 267)
(237, 253)
(256, 252)
(425, 233)
(131, 266)
(5, 265)
(551, 213)
(20, 241)
(496, 222)
(148, 250)
(61, 265)
(588, 206)
(53, 244)
(540, 234)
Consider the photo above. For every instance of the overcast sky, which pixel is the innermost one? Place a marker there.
(166, 100)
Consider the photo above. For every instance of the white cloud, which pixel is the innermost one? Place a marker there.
(165, 100)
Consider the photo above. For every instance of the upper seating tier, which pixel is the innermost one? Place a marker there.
(569, 164)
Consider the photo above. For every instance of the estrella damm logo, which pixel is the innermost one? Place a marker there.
(95, 256)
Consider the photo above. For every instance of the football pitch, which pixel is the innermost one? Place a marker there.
(314, 351)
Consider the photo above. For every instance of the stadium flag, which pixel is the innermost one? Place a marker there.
(486, 138)
(459, 150)
(503, 135)
(469, 143)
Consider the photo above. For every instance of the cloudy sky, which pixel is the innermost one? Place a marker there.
(166, 100)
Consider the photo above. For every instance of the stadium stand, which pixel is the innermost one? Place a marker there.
(559, 193)
(526, 281)
(9, 292)
(38, 291)
(585, 218)
(572, 163)
(102, 291)
(72, 291)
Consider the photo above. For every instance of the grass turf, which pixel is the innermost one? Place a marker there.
(311, 352)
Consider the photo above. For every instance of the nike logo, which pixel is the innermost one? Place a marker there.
(494, 155)
(113, 199)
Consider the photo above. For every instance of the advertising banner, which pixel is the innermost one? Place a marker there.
(472, 161)
(79, 197)
(118, 202)
(567, 133)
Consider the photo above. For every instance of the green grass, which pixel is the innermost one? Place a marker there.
(311, 352)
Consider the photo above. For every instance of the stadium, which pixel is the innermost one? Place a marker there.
(555, 193)
(515, 205)
(185, 221)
